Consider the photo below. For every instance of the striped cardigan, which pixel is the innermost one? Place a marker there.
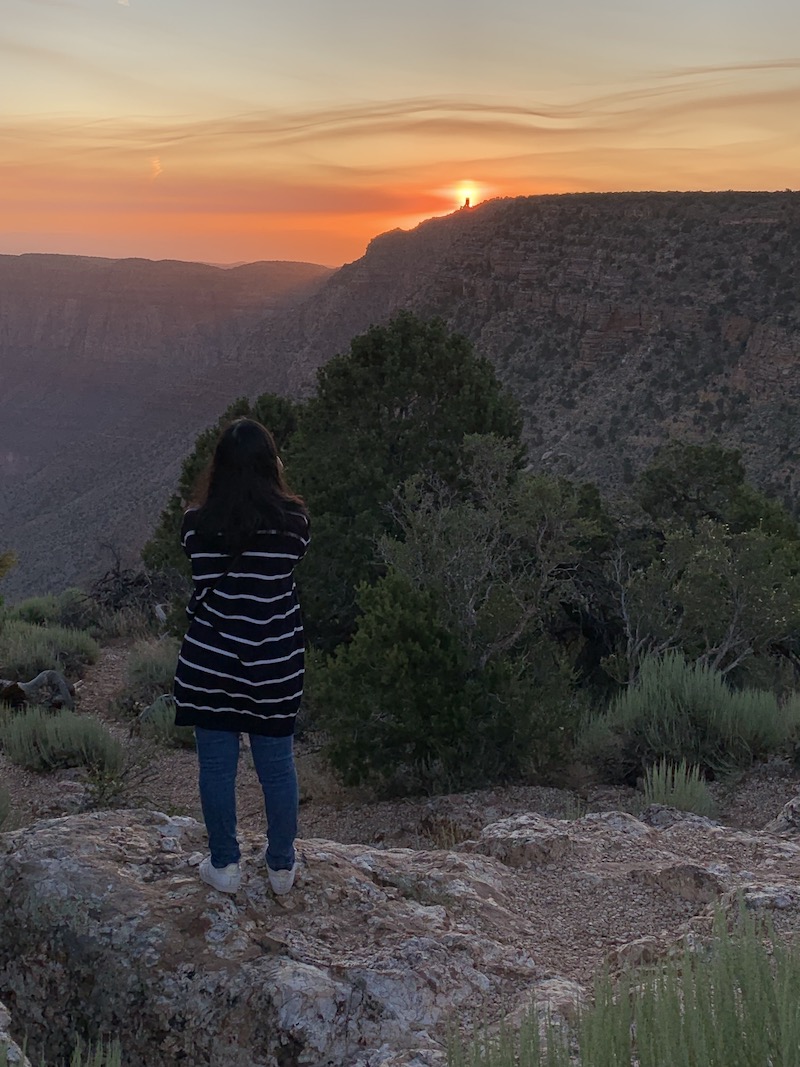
(241, 662)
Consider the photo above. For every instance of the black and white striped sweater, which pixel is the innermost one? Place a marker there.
(241, 662)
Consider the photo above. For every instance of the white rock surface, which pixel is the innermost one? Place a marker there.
(105, 928)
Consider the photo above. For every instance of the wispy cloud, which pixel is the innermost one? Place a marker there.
(369, 166)
(691, 92)
(735, 68)
(68, 4)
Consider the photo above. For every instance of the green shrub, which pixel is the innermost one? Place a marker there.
(158, 723)
(733, 1005)
(678, 786)
(5, 806)
(405, 709)
(681, 711)
(72, 608)
(151, 668)
(397, 403)
(26, 649)
(44, 741)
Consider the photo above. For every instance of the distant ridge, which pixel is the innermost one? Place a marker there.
(108, 370)
(617, 319)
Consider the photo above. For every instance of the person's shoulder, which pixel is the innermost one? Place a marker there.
(297, 521)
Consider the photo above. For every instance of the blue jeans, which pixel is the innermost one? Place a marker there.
(218, 755)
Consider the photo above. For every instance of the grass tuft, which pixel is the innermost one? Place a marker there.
(104, 1054)
(732, 1004)
(678, 786)
(5, 806)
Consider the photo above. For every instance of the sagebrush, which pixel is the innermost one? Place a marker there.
(72, 608)
(678, 710)
(151, 668)
(44, 741)
(27, 648)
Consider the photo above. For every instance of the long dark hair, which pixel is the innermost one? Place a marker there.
(243, 490)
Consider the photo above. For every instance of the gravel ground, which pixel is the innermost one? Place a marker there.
(167, 781)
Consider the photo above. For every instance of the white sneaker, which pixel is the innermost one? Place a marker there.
(281, 881)
(225, 879)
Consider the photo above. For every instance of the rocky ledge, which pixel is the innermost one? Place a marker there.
(375, 956)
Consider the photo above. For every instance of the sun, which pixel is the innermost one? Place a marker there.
(467, 193)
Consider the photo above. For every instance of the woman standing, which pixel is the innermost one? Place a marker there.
(240, 668)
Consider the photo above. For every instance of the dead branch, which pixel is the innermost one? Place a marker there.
(60, 693)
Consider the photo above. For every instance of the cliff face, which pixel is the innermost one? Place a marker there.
(616, 319)
(108, 370)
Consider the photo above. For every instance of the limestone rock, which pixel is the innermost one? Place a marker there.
(524, 840)
(105, 927)
(661, 816)
(15, 1057)
(376, 954)
(690, 881)
(638, 953)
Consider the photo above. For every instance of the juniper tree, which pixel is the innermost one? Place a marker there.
(400, 401)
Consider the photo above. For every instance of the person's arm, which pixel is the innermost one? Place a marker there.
(187, 529)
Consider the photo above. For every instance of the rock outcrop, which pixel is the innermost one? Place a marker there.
(376, 955)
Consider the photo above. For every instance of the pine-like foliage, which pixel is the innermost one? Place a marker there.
(399, 402)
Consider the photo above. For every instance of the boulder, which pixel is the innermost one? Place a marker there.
(787, 821)
(105, 928)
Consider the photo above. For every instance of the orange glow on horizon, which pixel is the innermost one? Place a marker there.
(318, 185)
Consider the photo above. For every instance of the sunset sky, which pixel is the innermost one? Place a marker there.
(232, 130)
